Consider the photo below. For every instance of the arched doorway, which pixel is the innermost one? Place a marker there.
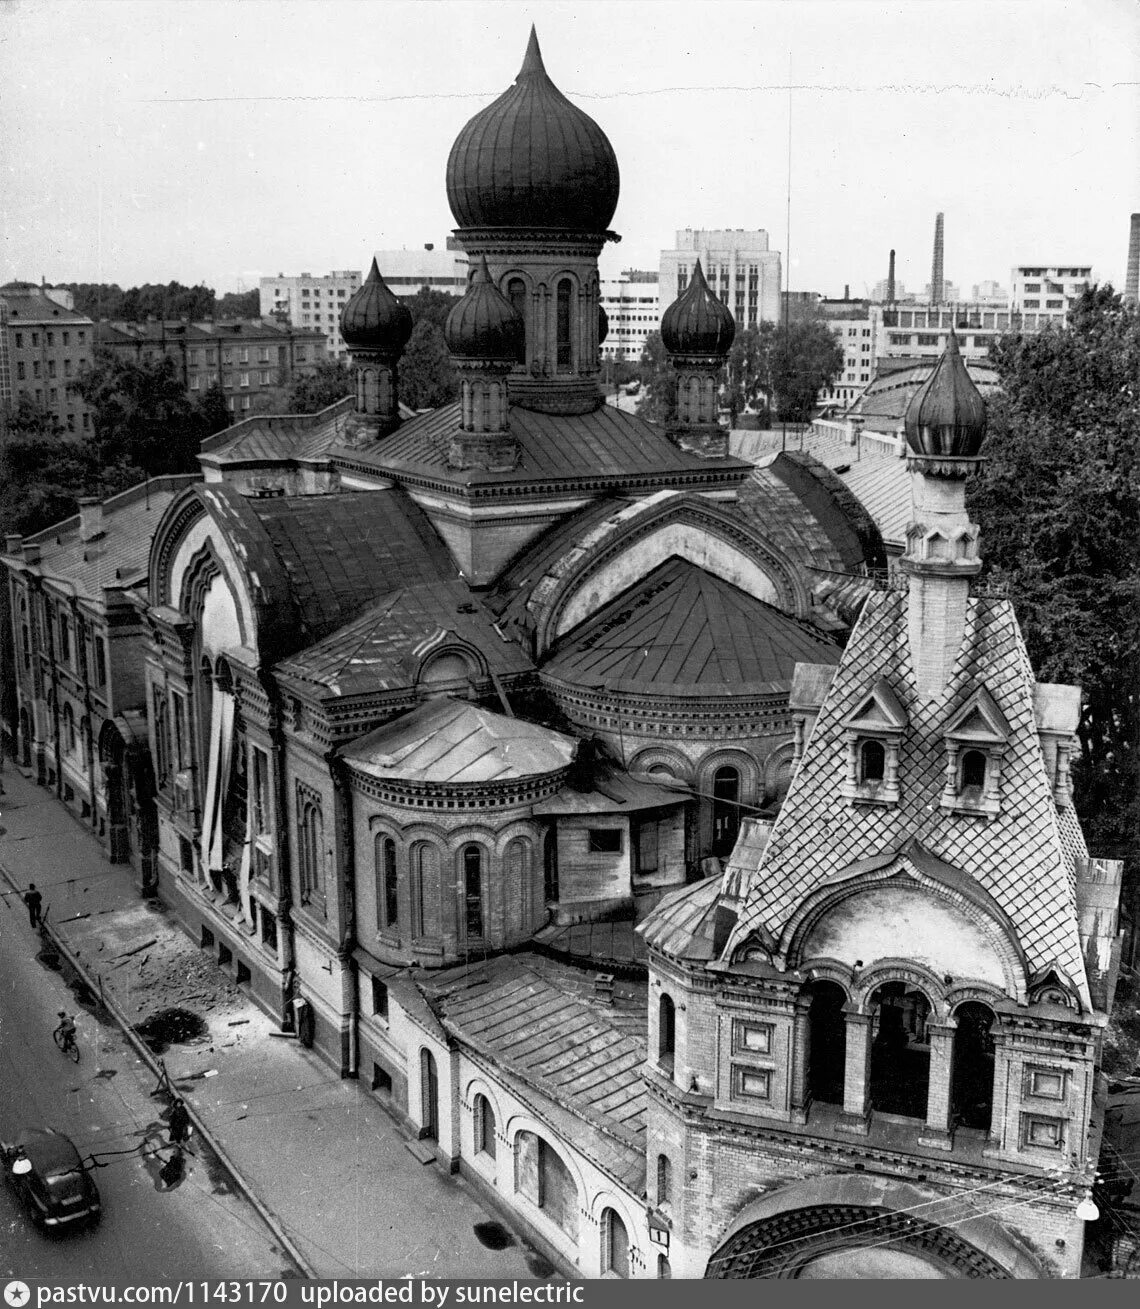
(900, 1050)
(550, 866)
(827, 1042)
(972, 1067)
(726, 809)
(113, 757)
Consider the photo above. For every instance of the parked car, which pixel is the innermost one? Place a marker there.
(46, 1172)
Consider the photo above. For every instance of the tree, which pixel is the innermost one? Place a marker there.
(213, 410)
(1058, 502)
(25, 418)
(427, 378)
(805, 357)
(749, 369)
(659, 403)
(142, 416)
(239, 304)
(329, 382)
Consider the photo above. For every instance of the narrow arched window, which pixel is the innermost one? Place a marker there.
(872, 762)
(473, 889)
(974, 769)
(666, 1032)
(615, 1244)
(484, 1122)
(664, 1179)
(726, 809)
(664, 1268)
(516, 294)
(562, 323)
(425, 888)
(387, 902)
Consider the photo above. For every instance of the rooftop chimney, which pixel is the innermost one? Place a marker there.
(891, 281)
(936, 267)
(1132, 276)
(90, 518)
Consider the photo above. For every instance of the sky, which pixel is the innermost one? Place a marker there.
(218, 141)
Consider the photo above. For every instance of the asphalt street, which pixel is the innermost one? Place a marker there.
(200, 1227)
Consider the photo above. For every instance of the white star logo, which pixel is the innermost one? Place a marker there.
(17, 1294)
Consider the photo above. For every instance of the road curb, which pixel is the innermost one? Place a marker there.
(111, 1005)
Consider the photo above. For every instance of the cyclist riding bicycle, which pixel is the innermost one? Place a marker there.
(66, 1029)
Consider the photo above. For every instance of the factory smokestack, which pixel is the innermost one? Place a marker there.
(1132, 276)
(936, 267)
(891, 281)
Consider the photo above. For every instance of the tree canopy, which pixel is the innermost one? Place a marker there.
(1058, 502)
(427, 378)
(329, 382)
(659, 378)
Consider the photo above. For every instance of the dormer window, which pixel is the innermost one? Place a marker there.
(874, 736)
(976, 738)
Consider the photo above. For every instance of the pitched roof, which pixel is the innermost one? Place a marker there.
(374, 651)
(119, 554)
(1022, 857)
(34, 307)
(533, 1017)
(682, 631)
(453, 741)
(883, 403)
(282, 438)
(606, 443)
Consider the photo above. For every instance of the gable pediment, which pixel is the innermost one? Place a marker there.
(979, 721)
(880, 711)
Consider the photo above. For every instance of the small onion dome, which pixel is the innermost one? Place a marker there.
(696, 323)
(373, 319)
(533, 159)
(484, 324)
(947, 415)
(603, 324)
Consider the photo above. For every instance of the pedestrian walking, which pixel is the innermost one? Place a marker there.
(179, 1123)
(34, 901)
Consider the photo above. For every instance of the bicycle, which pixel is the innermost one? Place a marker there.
(64, 1037)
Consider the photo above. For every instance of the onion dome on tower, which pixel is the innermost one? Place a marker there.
(375, 327)
(484, 333)
(697, 323)
(533, 159)
(697, 331)
(946, 418)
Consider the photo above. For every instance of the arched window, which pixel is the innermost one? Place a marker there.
(484, 1122)
(664, 1268)
(872, 761)
(543, 1178)
(827, 1042)
(615, 1244)
(550, 866)
(972, 1067)
(473, 889)
(562, 323)
(664, 1179)
(429, 1097)
(425, 888)
(666, 1033)
(516, 294)
(518, 873)
(973, 770)
(311, 841)
(68, 729)
(726, 809)
(900, 1050)
(387, 884)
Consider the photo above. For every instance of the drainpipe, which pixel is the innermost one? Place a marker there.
(281, 841)
(346, 903)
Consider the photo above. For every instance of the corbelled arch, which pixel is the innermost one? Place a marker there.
(627, 546)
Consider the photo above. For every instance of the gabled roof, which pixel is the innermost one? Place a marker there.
(33, 307)
(373, 652)
(879, 710)
(606, 444)
(446, 742)
(1022, 857)
(979, 719)
(682, 631)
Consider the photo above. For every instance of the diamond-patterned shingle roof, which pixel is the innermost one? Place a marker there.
(1022, 857)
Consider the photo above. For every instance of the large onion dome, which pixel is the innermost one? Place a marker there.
(484, 324)
(373, 319)
(947, 415)
(533, 159)
(697, 323)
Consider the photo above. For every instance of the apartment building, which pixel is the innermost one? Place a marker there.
(1048, 290)
(308, 301)
(857, 325)
(739, 267)
(633, 310)
(249, 357)
(44, 345)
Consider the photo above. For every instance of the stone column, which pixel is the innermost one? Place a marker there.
(801, 1041)
(936, 1132)
(856, 1073)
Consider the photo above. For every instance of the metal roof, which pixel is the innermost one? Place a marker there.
(682, 631)
(449, 742)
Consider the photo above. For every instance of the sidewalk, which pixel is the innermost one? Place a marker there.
(316, 1152)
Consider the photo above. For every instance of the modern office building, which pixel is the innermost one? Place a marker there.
(1048, 290)
(437, 268)
(633, 310)
(738, 266)
(308, 301)
(44, 345)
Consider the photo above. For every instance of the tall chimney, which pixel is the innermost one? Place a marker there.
(936, 267)
(891, 281)
(1132, 276)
